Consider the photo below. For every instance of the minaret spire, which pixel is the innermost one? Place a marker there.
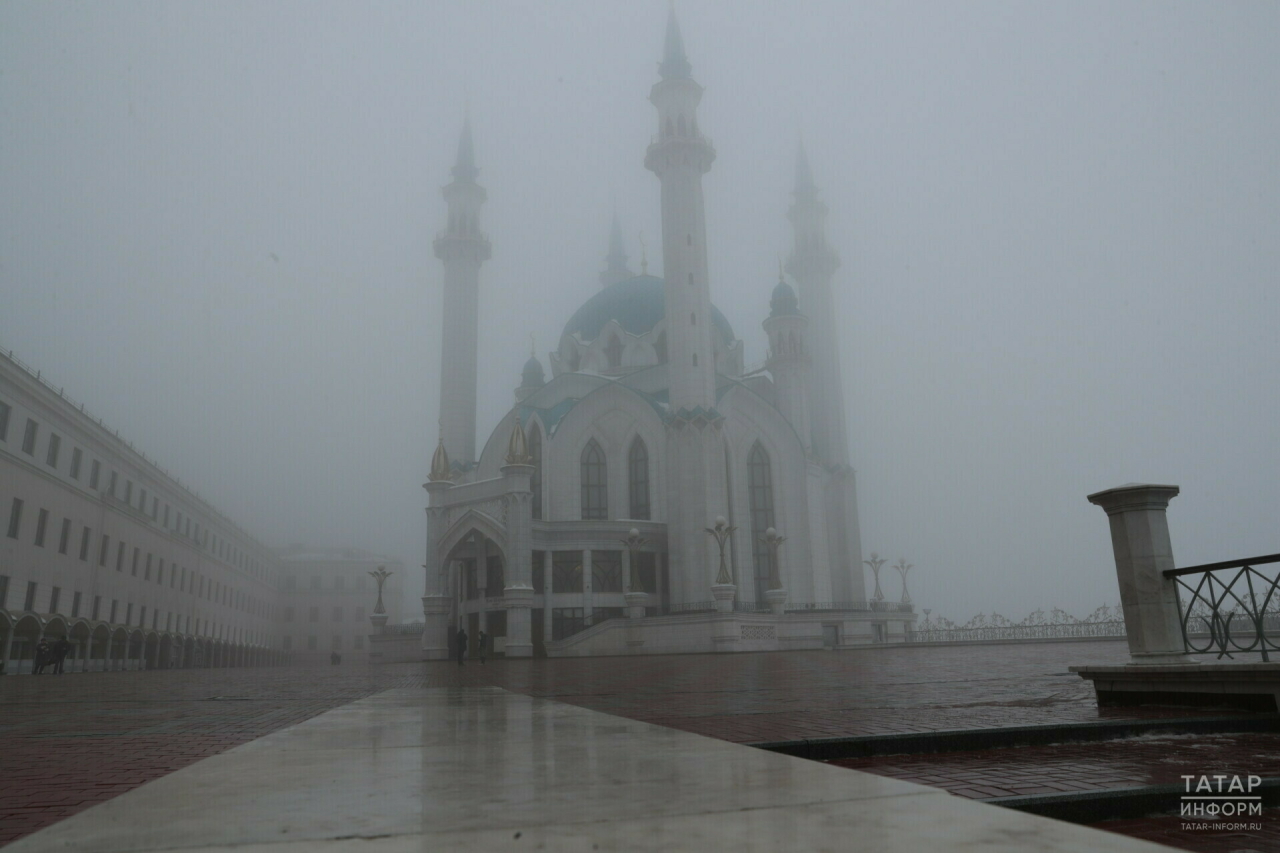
(616, 261)
(462, 247)
(674, 62)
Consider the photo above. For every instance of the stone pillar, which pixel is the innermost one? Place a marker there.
(436, 604)
(548, 588)
(1140, 541)
(587, 609)
(518, 593)
(8, 650)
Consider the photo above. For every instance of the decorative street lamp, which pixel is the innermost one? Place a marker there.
(722, 531)
(775, 594)
(875, 563)
(379, 617)
(903, 567)
(635, 598)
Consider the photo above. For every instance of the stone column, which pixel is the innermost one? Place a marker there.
(547, 591)
(1140, 541)
(435, 597)
(518, 593)
(587, 609)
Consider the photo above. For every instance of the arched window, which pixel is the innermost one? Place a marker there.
(760, 492)
(638, 478)
(595, 497)
(680, 127)
(661, 348)
(535, 481)
(613, 351)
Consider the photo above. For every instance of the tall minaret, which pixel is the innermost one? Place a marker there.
(616, 261)
(696, 483)
(812, 263)
(679, 157)
(463, 248)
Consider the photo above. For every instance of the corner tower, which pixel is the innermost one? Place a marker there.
(462, 247)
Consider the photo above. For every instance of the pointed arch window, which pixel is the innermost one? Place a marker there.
(613, 351)
(595, 498)
(638, 479)
(760, 493)
(535, 456)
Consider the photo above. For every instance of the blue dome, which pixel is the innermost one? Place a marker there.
(638, 304)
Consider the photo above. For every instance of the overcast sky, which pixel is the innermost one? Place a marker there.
(1058, 225)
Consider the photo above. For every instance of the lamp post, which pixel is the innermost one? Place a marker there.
(635, 598)
(775, 594)
(875, 563)
(903, 567)
(379, 617)
(723, 589)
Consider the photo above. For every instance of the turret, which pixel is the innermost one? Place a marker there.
(616, 261)
(788, 360)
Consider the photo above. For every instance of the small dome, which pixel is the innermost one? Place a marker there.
(532, 374)
(784, 300)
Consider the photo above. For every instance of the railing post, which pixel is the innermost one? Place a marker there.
(1143, 552)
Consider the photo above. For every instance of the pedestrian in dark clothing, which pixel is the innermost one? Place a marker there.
(462, 645)
(482, 645)
(61, 648)
(335, 658)
(41, 657)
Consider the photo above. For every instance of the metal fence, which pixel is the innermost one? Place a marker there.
(1229, 607)
(1055, 625)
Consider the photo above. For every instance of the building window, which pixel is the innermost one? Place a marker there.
(30, 602)
(55, 444)
(565, 622)
(103, 548)
(97, 607)
(42, 521)
(142, 616)
(54, 595)
(311, 643)
(128, 492)
(142, 500)
(4, 590)
(760, 492)
(613, 352)
(595, 500)
(15, 518)
(111, 484)
(166, 516)
(65, 535)
(4, 421)
(606, 571)
(539, 571)
(644, 577)
(29, 438)
(147, 571)
(638, 479)
(535, 458)
(160, 572)
(85, 534)
(95, 471)
(119, 556)
(314, 615)
(77, 456)
(566, 571)
(115, 607)
(128, 613)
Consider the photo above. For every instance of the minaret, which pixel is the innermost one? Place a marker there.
(812, 263)
(463, 248)
(696, 483)
(679, 157)
(789, 357)
(616, 261)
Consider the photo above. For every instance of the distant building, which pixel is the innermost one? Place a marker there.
(651, 422)
(102, 546)
(327, 596)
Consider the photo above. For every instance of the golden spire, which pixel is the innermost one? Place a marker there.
(518, 446)
(441, 471)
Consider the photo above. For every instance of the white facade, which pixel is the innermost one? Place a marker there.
(651, 424)
(327, 597)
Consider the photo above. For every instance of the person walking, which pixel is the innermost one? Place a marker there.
(482, 645)
(462, 645)
(60, 649)
(41, 659)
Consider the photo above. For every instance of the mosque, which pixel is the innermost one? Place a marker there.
(652, 496)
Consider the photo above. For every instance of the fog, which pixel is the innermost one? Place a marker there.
(1058, 226)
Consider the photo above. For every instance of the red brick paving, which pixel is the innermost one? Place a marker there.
(75, 740)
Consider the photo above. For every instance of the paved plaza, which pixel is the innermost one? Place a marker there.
(77, 740)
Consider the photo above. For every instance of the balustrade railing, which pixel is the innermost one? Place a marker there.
(1057, 624)
(1232, 607)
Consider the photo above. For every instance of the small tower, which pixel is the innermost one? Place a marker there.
(616, 261)
(462, 247)
(531, 378)
(789, 357)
